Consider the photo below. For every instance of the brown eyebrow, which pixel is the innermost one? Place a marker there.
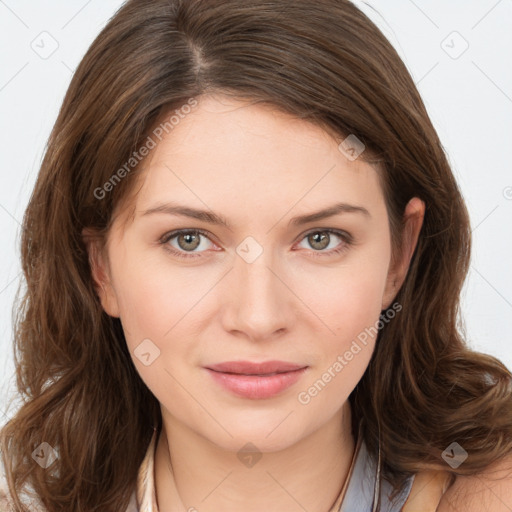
(185, 211)
(212, 218)
(328, 212)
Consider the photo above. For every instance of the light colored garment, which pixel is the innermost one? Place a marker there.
(358, 495)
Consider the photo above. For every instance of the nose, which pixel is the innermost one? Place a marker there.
(258, 303)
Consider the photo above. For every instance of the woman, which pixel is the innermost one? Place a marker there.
(244, 254)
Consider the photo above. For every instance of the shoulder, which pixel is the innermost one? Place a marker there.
(488, 490)
(5, 502)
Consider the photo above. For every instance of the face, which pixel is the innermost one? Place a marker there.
(259, 276)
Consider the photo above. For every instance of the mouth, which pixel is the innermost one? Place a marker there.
(252, 374)
(256, 381)
(253, 368)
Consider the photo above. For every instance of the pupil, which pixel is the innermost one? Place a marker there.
(188, 239)
(319, 240)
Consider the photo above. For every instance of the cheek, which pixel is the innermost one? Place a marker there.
(352, 313)
(153, 311)
(360, 303)
(151, 300)
(347, 298)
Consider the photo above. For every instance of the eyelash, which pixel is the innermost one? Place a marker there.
(347, 242)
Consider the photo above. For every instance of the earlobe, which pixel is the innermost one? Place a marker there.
(100, 272)
(413, 221)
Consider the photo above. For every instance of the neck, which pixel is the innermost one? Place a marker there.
(193, 474)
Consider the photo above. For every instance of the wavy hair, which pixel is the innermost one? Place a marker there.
(324, 62)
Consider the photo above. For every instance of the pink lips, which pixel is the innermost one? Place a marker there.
(256, 380)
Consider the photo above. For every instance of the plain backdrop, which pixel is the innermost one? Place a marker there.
(457, 52)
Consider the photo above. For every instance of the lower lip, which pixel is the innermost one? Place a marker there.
(257, 386)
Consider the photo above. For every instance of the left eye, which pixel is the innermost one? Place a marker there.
(320, 240)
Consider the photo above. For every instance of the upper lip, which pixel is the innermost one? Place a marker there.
(250, 368)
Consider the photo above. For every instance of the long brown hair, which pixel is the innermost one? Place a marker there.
(322, 61)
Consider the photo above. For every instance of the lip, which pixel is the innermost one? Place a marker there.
(256, 380)
(251, 368)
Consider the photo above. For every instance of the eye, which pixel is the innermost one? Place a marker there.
(323, 239)
(190, 243)
(185, 241)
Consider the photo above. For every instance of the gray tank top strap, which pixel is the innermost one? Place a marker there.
(359, 496)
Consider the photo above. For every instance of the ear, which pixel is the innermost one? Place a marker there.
(100, 271)
(413, 220)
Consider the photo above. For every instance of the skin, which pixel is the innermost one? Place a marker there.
(258, 168)
(491, 489)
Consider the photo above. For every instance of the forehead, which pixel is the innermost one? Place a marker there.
(246, 157)
(228, 121)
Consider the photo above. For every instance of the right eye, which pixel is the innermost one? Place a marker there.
(183, 241)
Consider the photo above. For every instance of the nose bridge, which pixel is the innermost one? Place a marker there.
(260, 301)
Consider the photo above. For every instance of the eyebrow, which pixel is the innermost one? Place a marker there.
(215, 219)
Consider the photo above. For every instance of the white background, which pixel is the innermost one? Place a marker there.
(468, 96)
